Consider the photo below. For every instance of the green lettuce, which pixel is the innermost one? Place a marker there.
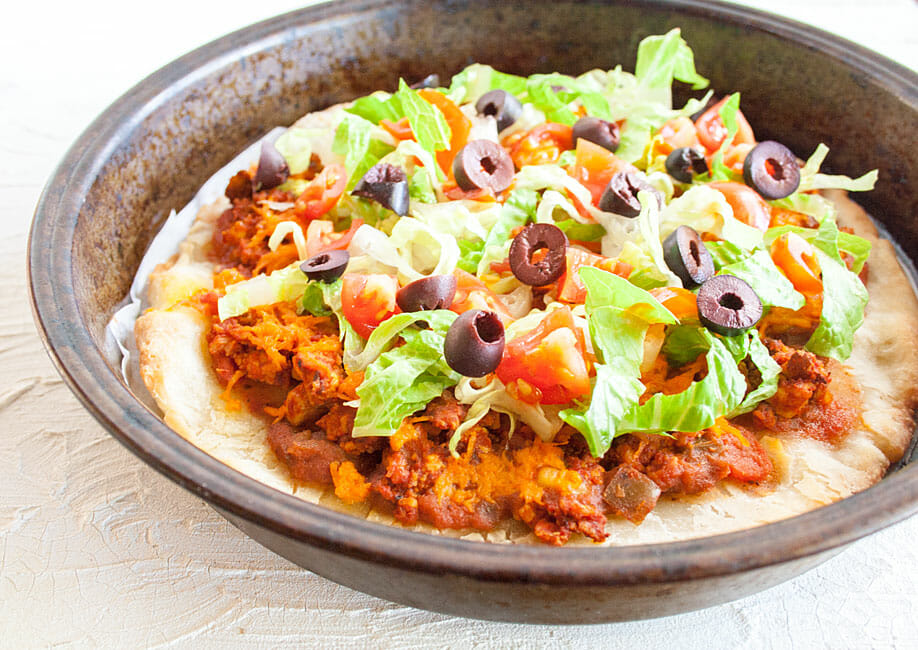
(857, 247)
(406, 378)
(361, 151)
(748, 346)
(518, 209)
(619, 315)
(812, 179)
(759, 271)
(719, 171)
(283, 285)
(427, 122)
(663, 58)
(295, 145)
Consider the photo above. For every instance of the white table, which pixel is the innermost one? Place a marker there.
(98, 549)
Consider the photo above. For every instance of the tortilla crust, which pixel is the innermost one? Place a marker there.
(176, 368)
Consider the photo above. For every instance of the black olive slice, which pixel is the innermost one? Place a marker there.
(771, 169)
(327, 266)
(501, 105)
(387, 185)
(239, 186)
(433, 292)
(605, 134)
(686, 256)
(272, 167)
(474, 343)
(483, 165)
(534, 237)
(728, 306)
(685, 162)
(620, 195)
(430, 81)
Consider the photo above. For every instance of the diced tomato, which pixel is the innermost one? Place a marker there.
(367, 300)
(677, 133)
(459, 126)
(472, 293)
(748, 206)
(571, 288)
(322, 193)
(712, 131)
(797, 258)
(548, 364)
(321, 236)
(594, 166)
(541, 145)
(682, 303)
(400, 130)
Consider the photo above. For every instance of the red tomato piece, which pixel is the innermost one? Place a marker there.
(548, 364)
(748, 206)
(682, 303)
(472, 293)
(368, 300)
(459, 126)
(594, 166)
(712, 131)
(322, 193)
(321, 236)
(540, 146)
(571, 288)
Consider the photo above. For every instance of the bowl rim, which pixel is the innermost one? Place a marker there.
(83, 367)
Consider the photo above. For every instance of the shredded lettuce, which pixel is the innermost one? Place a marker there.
(619, 315)
(581, 231)
(477, 79)
(283, 285)
(354, 141)
(811, 179)
(759, 271)
(843, 298)
(295, 145)
(519, 208)
(857, 247)
(663, 58)
(707, 211)
(406, 378)
(316, 297)
(719, 171)
(427, 122)
(748, 346)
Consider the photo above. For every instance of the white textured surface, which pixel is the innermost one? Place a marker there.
(97, 549)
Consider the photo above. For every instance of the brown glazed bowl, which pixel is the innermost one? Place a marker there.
(149, 152)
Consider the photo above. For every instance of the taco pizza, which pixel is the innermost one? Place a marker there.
(540, 309)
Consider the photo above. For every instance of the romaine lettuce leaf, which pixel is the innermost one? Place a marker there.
(284, 284)
(404, 379)
(663, 58)
(759, 271)
(811, 179)
(843, 298)
(361, 151)
(749, 346)
(518, 209)
(295, 145)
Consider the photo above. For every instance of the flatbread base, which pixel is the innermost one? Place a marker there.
(176, 368)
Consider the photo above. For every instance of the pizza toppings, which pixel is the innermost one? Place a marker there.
(545, 241)
(523, 342)
(501, 105)
(387, 185)
(728, 305)
(686, 256)
(432, 292)
(272, 168)
(474, 343)
(771, 169)
(327, 266)
(605, 134)
(483, 165)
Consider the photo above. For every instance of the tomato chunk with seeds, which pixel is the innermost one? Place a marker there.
(547, 365)
(368, 300)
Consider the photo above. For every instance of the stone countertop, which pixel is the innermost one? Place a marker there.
(98, 549)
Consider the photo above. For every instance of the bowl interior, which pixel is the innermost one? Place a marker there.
(151, 150)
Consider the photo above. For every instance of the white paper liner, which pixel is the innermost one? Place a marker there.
(120, 346)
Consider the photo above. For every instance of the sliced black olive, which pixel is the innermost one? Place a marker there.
(474, 343)
(327, 266)
(272, 167)
(430, 81)
(483, 165)
(239, 186)
(686, 256)
(387, 185)
(621, 194)
(685, 162)
(728, 306)
(534, 237)
(433, 292)
(501, 105)
(597, 131)
(771, 170)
